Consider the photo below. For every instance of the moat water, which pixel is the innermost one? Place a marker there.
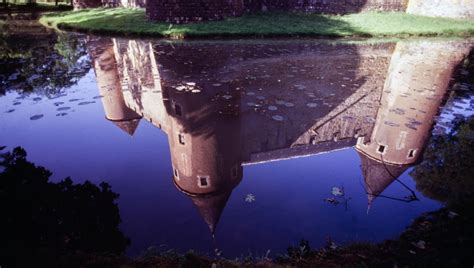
(261, 142)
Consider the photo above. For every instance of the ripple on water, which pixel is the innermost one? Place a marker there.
(63, 108)
(10, 111)
(36, 117)
(58, 103)
(61, 114)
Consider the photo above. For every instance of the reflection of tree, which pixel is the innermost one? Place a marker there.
(44, 63)
(43, 221)
(447, 172)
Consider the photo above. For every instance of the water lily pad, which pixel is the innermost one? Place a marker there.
(36, 117)
(278, 118)
(272, 108)
(85, 102)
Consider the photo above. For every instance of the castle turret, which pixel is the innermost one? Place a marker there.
(205, 151)
(416, 84)
(110, 89)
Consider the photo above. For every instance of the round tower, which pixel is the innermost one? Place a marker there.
(205, 151)
(416, 84)
(110, 88)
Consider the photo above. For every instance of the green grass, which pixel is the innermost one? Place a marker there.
(371, 24)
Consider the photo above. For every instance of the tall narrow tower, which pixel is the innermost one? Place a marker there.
(110, 89)
(416, 84)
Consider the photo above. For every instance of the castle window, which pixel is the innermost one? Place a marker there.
(411, 153)
(203, 181)
(181, 139)
(381, 148)
(178, 110)
(176, 173)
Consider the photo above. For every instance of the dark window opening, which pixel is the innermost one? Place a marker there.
(178, 110)
(181, 139)
(381, 149)
(203, 181)
(411, 153)
(176, 173)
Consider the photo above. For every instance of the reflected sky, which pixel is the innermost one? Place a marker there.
(185, 132)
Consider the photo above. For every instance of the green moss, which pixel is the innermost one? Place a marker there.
(369, 24)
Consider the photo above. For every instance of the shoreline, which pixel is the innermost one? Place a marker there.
(133, 23)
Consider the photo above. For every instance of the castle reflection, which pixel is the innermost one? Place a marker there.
(225, 105)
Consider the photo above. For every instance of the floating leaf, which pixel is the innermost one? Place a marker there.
(250, 198)
(336, 191)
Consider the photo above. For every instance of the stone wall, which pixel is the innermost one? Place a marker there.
(186, 11)
(81, 4)
(326, 6)
(442, 8)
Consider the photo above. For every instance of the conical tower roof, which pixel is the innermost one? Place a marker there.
(210, 207)
(129, 126)
(378, 175)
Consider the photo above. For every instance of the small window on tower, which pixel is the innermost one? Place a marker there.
(381, 149)
(203, 181)
(181, 139)
(176, 174)
(411, 153)
(178, 110)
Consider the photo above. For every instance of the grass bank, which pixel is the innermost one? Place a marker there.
(134, 22)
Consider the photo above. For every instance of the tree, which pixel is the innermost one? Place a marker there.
(43, 221)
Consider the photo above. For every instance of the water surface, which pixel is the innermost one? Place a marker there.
(261, 143)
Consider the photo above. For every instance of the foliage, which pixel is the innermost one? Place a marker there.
(35, 60)
(134, 21)
(43, 220)
(447, 172)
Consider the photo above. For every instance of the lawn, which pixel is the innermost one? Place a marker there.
(369, 24)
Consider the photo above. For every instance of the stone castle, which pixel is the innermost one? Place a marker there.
(257, 102)
(187, 11)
